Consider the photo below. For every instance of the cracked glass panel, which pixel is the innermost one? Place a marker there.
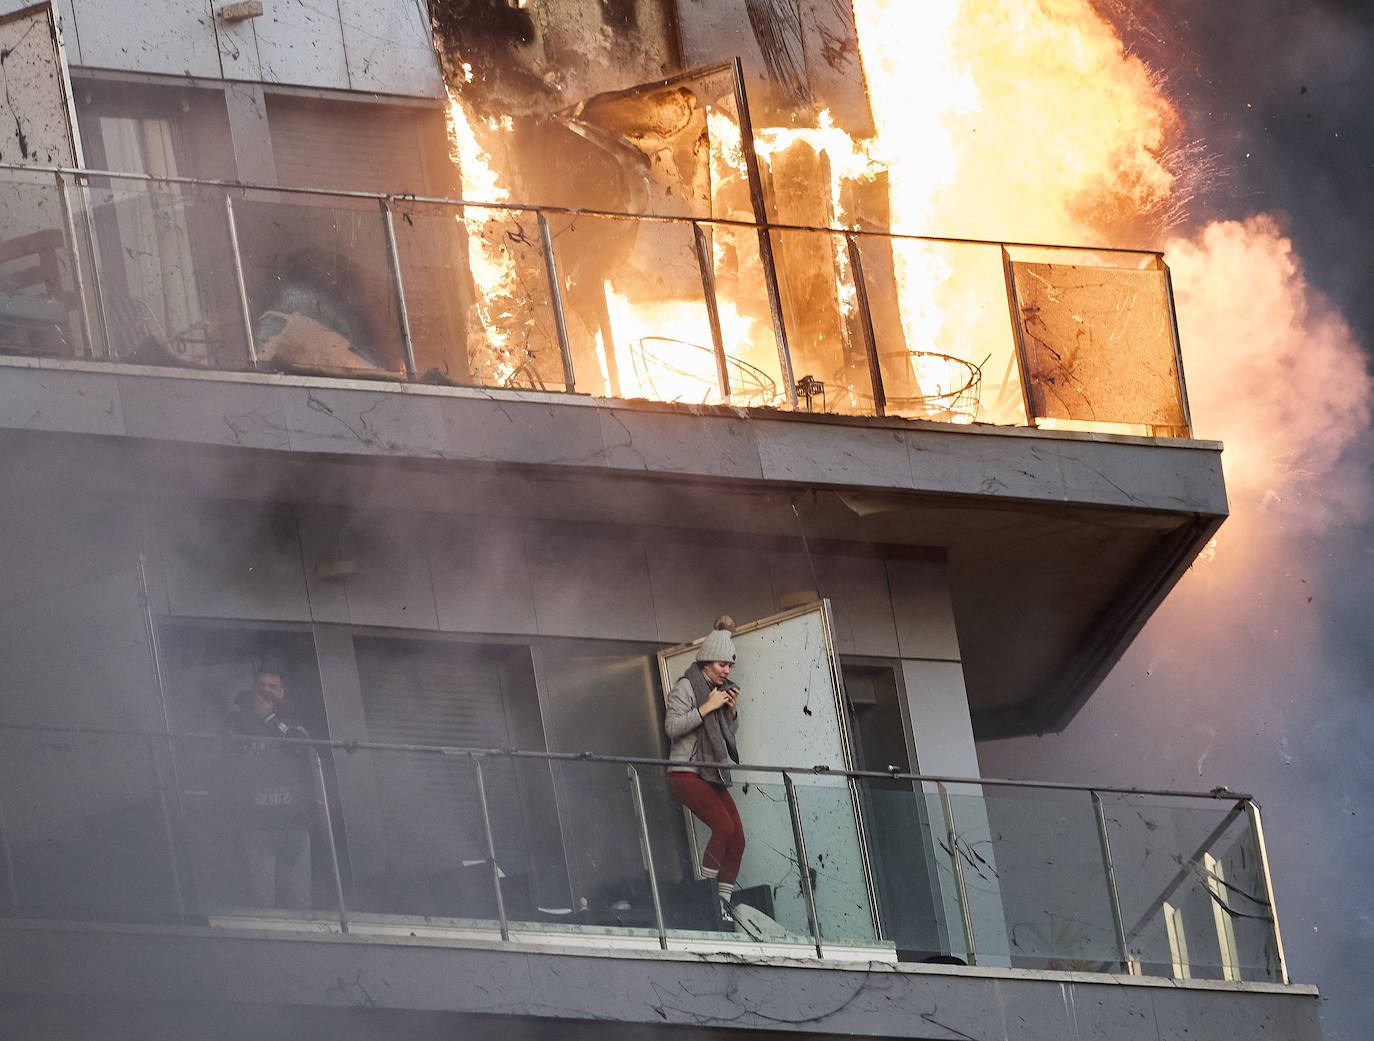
(1032, 868)
(606, 865)
(909, 857)
(838, 876)
(425, 854)
(638, 317)
(690, 903)
(1194, 870)
(84, 833)
(824, 334)
(940, 325)
(39, 306)
(1099, 344)
(320, 291)
(169, 295)
(509, 324)
(430, 245)
(82, 829)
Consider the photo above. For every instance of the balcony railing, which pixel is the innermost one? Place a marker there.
(150, 826)
(231, 277)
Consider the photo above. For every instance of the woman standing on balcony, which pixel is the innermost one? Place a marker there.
(701, 724)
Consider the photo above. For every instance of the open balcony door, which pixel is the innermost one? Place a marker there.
(792, 714)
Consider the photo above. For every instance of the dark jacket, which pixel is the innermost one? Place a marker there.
(270, 784)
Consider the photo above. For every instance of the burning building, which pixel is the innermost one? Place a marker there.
(434, 376)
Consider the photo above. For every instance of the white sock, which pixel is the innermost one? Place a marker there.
(726, 890)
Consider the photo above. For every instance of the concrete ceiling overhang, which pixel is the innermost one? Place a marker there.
(1060, 545)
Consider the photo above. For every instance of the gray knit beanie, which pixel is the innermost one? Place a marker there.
(718, 646)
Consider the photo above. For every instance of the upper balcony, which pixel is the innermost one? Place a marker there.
(218, 277)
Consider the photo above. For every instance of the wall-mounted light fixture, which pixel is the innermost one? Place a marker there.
(240, 11)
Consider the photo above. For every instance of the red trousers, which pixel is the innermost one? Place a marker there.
(714, 808)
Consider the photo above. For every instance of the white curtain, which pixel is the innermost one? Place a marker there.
(150, 219)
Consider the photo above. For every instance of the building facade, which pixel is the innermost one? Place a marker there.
(471, 481)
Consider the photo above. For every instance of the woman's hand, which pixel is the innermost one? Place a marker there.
(716, 699)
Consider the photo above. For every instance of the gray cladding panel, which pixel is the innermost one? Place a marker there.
(172, 37)
(246, 414)
(694, 583)
(1140, 475)
(392, 585)
(301, 44)
(1216, 1014)
(591, 588)
(922, 608)
(329, 420)
(389, 47)
(521, 432)
(857, 589)
(319, 535)
(978, 465)
(66, 24)
(232, 561)
(238, 53)
(698, 991)
(413, 422)
(826, 454)
(80, 402)
(682, 444)
(482, 581)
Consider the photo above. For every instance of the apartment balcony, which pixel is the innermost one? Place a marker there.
(123, 877)
(211, 278)
(281, 347)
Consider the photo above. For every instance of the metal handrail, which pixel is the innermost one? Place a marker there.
(570, 211)
(175, 855)
(389, 204)
(351, 746)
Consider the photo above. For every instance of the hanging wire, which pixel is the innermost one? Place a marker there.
(810, 562)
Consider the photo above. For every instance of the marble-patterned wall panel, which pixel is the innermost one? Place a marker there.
(591, 587)
(924, 614)
(694, 583)
(233, 560)
(857, 589)
(481, 580)
(78, 402)
(173, 37)
(66, 26)
(325, 567)
(389, 581)
(390, 49)
(238, 49)
(77, 653)
(302, 44)
(937, 704)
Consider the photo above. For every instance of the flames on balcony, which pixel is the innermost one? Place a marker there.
(978, 120)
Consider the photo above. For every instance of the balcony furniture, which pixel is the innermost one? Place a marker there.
(34, 323)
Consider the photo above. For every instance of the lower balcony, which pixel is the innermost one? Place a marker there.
(592, 852)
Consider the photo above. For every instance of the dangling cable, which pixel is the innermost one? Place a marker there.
(810, 562)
